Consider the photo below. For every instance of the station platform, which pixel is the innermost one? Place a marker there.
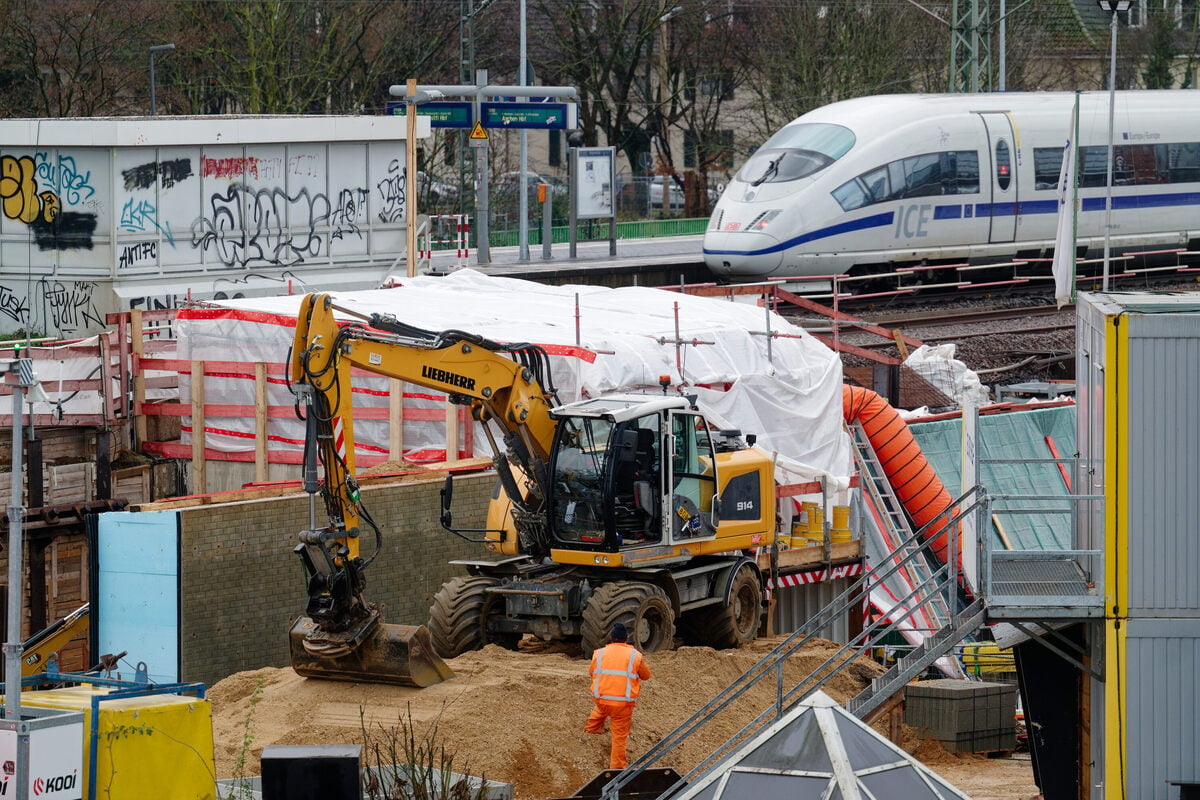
(660, 261)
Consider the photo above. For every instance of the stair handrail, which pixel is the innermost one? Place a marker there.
(881, 491)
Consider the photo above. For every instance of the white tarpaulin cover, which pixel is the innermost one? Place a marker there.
(792, 399)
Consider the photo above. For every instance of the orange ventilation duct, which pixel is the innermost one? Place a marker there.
(915, 483)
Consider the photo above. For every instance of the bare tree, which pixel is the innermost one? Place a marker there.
(708, 66)
(298, 56)
(811, 54)
(62, 58)
(603, 49)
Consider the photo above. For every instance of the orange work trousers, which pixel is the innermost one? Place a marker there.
(621, 716)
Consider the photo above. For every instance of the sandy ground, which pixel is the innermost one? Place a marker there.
(518, 717)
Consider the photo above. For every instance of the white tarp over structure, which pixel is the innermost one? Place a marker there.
(785, 388)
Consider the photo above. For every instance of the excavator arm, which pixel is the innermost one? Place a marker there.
(502, 385)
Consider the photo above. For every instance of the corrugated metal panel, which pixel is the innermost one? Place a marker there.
(1162, 706)
(1163, 471)
(796, 605)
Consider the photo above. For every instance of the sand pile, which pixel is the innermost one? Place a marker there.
(513, 717)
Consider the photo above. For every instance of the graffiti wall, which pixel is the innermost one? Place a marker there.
(92, 229)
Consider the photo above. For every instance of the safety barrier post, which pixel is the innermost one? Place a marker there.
(459, 239)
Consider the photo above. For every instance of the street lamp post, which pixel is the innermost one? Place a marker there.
(1113, 7)
(158, 48)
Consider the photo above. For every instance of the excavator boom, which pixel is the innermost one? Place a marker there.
(342, 636)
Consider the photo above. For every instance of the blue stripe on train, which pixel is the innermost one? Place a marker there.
(979, 210)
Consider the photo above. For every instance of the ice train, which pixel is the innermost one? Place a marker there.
(878, 182)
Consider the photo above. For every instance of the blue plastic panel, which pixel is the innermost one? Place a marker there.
(138, 595)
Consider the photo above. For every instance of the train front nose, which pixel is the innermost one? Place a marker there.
(742, 255)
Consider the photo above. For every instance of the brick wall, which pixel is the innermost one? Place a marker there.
(243, 587)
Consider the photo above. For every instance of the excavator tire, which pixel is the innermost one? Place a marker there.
(723, 626)
(459, 614)
(643, 607)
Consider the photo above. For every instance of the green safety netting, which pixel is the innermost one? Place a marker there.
(1019, 434)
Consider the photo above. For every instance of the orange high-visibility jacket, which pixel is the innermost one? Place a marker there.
(618, 670)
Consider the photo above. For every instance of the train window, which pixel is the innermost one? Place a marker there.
(1093, 166)
(1003, 165)
(796, 152)
(851, 195)
(1047, 164)
(923, 175)
(1137, 164)
(966, 163)
(1183, 162)
(877, 184)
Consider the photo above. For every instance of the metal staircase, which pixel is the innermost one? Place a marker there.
(879, 492)
(917, 661)
(941, 582)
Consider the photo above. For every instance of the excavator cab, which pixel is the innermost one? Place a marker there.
(606, 470)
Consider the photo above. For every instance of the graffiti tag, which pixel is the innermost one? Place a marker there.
(248, 226)
(143, 176)
(229, 167)
(131, 254)
(350, 209)
(391, 190)
(73, 185)
(13, 306)
(19, 191)
(140, 216)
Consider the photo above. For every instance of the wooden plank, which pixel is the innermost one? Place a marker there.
(395, 419)
(199, 476)
(814, 555)
(139, 375)
(132, 484)
(110, 378)
(261, 465)
(452, 443)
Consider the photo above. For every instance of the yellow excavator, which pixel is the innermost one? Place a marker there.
(628, 507)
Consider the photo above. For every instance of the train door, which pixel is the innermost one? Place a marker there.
(1002, 156)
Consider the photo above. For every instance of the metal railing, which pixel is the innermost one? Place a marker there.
(1043, 582)
(943, 582)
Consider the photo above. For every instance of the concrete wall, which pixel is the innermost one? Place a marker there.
(243, 587)
(111, 214)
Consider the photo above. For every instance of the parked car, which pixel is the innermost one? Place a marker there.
(676, 193)
(435, 190)
(511, 182)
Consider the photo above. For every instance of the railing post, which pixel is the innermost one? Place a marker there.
(199, 479)
(262, 469)
(395, 419)
(137, 346)
(451, 431)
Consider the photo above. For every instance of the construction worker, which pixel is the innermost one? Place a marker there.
(618, 670)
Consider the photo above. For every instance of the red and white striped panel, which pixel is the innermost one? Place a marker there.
(817, 575)
(339, 437)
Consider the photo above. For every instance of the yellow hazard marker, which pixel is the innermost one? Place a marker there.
(479, 132)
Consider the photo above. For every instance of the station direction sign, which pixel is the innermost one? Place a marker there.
(442, 114)
(531, 116)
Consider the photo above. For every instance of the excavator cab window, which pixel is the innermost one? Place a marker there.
(693, 477)
(606, 482)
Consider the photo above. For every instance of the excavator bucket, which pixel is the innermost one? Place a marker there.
(396, 654)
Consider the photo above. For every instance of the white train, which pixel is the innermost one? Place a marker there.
(962, 178)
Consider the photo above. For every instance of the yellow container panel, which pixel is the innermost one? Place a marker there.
(151, 746)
